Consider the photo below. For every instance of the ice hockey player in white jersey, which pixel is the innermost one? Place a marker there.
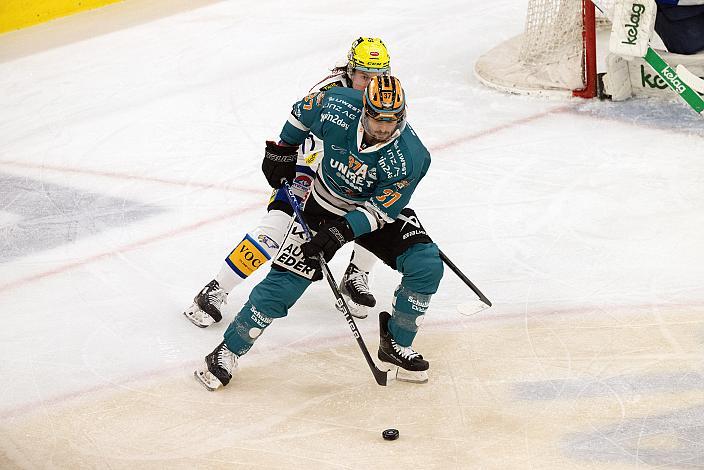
(367, 58)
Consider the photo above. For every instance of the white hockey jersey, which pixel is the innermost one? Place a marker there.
(333, 80)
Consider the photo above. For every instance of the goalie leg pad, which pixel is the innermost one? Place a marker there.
(632, 27)
(644, 81)
(617, 81)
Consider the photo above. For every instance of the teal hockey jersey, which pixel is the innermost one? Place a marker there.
(370, 185)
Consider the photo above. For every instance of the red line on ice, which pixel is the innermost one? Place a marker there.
(129, 177)
(197, 225)
(499, 128)
(129, 247)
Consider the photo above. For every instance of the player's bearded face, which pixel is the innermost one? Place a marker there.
(378, 131)
(361, 79)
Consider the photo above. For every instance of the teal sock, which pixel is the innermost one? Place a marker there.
(407, 315)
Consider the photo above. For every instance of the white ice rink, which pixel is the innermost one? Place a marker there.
(131, 140)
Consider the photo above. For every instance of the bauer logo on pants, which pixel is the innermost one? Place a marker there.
(246, 258)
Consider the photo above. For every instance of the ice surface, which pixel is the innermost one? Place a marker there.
(130, 146)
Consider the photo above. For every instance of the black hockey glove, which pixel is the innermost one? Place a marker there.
(279, 162)
(329, 239)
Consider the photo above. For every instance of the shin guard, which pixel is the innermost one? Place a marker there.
(270, 299)
(247, 326)
(408, 314)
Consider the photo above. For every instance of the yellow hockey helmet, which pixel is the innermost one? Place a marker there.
(368, 55)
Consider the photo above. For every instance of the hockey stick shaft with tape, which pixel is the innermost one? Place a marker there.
(379, 375)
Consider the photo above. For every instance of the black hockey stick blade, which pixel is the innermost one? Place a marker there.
(380, 376)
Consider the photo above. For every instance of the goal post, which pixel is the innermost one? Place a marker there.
(554, 56)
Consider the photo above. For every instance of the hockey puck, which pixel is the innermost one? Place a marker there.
(390, 434)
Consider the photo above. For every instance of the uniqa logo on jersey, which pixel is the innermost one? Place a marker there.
(353, 173)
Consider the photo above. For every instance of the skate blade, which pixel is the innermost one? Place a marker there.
(356, 310)
(207, 380)
(402, 375)
(198, 317)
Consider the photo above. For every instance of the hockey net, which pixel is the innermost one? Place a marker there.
(555, 55)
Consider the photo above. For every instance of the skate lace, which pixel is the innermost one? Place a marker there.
(360, 281)
(226, 358)
(406, 352)
(217, 296)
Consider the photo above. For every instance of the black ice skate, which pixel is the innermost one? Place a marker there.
(354, 287)
(206, 305)
(218, 369)
(410, 366)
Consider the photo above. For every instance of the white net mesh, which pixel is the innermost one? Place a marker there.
(604, 10)
(546, 59)
(551, 27)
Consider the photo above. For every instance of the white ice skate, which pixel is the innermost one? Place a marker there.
(354, 287)
(407, 363)
(218, 368)
(205, 309)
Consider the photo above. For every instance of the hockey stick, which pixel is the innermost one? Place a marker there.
(674, 81)
(467, 308)
(379, 375)
(696, 83)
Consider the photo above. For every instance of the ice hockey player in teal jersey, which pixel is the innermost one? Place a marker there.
(378, 178)
(372, 164)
